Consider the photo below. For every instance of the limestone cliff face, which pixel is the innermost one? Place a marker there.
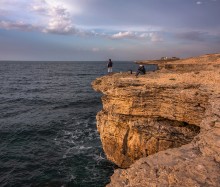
(169, 119)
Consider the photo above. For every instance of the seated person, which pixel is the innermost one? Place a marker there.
(141, 70)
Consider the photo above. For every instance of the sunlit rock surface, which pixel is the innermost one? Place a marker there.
(163, 125)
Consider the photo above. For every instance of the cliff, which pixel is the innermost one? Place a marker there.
(164, 127)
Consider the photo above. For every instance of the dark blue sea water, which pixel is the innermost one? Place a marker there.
(48, 133)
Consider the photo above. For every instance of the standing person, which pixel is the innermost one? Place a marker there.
(110, 64)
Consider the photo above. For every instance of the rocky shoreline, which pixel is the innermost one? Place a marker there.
(163, 128)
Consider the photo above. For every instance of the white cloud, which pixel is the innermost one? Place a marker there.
(44, 15)
(40, 9)
(51, 16)
(144, 35)
(121, 35)
(60, 26)
(130, 35)
(154, 37)
(58, 19)
(73, 6)
(198, 2)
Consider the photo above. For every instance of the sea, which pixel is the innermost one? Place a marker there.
(48, 134)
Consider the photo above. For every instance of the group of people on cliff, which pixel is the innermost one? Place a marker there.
(141, 69)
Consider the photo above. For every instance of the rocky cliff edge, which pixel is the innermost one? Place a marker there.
(163, 127)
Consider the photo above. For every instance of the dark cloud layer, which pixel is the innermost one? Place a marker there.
(125, 29)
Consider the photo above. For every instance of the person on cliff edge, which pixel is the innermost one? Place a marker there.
(141, 70)
(109, 65)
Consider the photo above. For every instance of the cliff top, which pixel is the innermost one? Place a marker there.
(204, 59)
(208, 77)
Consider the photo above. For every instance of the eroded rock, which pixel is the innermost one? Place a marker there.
(126, 139)
(169, 119)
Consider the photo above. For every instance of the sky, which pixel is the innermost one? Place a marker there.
(88, 30)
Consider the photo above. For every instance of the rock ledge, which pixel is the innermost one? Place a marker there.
(164, 127)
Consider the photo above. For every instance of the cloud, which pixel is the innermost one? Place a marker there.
(198, 2)
(19, 25)
(41, 15)
(155, 37)
(60, 26)
(40, 9)
(121, 35)
(152, 36)
(58, 19)
(50, 16)
(59, 22)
